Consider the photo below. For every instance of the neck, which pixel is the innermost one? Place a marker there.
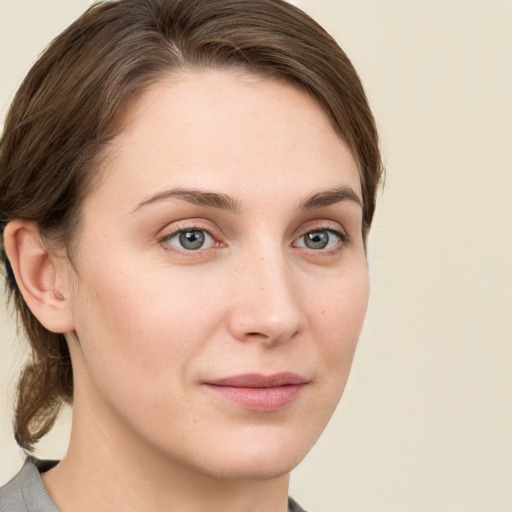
(114, 472)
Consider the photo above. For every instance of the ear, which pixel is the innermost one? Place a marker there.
(43, 281)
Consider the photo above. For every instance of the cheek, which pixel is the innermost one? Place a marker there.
(338, 320)
(147, 321)
(140, 337)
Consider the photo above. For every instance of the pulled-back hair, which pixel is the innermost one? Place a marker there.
(70, 104)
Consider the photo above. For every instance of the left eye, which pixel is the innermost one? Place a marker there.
(191, 239)
(321, 239)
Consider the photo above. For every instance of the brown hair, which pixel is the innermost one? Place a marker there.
(68, 105)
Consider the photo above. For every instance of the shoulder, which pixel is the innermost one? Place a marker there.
(11, 494)
(26, 491)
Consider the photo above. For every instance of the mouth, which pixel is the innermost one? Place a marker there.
(264, 393)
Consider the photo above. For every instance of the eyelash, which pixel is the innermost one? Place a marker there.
(343, 239)
(164, 240)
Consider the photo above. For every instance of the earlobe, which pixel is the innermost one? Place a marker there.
(39, 279)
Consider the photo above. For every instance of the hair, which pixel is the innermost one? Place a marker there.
(71, 102)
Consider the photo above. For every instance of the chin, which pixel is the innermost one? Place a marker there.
(261, 457)
(254, 467)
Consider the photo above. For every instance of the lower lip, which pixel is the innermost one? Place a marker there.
(260, 399)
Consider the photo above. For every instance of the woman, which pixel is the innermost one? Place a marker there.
(186, 190)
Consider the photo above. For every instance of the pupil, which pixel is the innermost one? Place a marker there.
(192, 239)
(317, 240)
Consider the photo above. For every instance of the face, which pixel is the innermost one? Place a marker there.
(221, 281)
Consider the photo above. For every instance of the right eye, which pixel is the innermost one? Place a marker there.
(189, 239)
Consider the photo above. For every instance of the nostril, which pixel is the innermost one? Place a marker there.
(256, 335)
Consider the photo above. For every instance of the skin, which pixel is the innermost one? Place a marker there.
(148, 321)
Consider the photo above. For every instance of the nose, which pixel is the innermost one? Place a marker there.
(268, 306)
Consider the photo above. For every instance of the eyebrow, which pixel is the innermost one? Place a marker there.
(329, 197)
(225, 202)
(193, 196)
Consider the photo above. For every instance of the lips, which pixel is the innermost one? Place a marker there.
(260, 392)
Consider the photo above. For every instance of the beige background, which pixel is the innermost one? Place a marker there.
(426, 421)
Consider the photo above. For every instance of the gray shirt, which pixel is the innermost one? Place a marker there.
(27, 493)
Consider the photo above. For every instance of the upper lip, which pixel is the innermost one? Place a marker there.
(256, 380)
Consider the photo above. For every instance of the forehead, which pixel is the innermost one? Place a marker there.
(216, 129)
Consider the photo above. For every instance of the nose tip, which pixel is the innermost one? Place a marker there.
(269, 310)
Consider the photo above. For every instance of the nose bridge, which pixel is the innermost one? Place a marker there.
(269, 307)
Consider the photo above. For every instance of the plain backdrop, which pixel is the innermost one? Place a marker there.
(426, 421)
